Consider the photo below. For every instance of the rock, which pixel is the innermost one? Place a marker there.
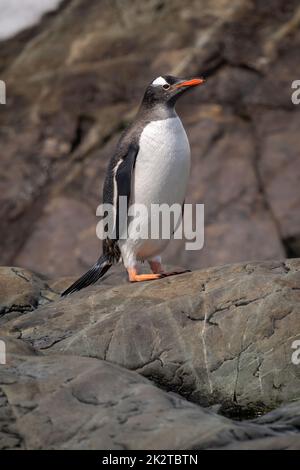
(80, 84)
(279, 133)
(268, 443)
(217, 336)
(286, 416)
(22, 291)
(71, 402)
(60, 214)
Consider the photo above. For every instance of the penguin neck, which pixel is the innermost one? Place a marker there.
(157, 111)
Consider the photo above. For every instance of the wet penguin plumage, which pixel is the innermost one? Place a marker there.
(150, 165)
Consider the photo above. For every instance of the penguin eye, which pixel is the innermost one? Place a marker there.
(166, 86)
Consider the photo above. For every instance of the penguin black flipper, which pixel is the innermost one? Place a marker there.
(123, 176)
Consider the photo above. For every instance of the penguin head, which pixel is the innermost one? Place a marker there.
(166, 89)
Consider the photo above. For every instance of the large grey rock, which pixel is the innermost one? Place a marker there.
(22, 291)
(217, 336)
(70, 402)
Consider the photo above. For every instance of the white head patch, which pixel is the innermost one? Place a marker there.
(159, 81)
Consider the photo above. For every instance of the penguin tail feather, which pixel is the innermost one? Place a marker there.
(91, 276)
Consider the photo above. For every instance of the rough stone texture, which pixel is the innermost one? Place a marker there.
(22, 291)
(287, 417)
(55, 402)
(217, 336)
(73, 85)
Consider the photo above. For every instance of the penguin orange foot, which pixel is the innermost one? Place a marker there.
(135, 277)
(160, 274)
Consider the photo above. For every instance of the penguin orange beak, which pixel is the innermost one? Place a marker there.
(193, 82)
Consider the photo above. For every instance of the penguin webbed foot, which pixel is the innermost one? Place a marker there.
(157, 273)
(135, 277)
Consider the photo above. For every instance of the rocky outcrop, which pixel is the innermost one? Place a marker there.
(222, 336)
(71, 402)
(22, 291)
(73, 85)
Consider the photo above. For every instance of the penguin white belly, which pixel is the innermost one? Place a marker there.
(160, 177)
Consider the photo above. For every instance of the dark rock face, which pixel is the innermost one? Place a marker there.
(73, 86)
(221, 337)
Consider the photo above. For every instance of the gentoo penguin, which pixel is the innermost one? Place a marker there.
(150, 165)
